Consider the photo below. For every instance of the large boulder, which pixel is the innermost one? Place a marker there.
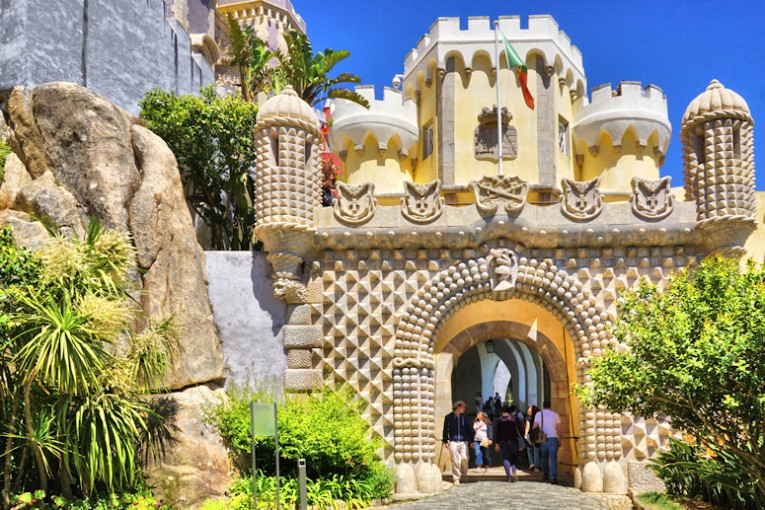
(80, 155)
(197, 467)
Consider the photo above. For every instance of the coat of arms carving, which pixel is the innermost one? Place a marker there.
(581, 200)
(652, 200)
(422, 203)
(500, 190)
(355, 204)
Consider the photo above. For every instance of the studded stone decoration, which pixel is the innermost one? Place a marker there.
(356, 204)
(500, 190)
(643, 438)
(582, 201)
(503, 266)
(718, 154)
(363, 292)
(288, 179)
(422, 203)
(652, 200)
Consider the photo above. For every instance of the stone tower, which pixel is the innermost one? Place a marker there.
(718, 153)
(288, 181)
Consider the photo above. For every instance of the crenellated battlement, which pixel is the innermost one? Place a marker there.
(446, 38)
(385, 118)
(615, 111)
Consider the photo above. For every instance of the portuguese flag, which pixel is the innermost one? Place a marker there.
(514, 61)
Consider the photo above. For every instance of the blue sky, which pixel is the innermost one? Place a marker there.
(678, 45)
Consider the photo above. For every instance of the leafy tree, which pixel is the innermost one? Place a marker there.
(308, 74)
(73, 378)
(252, 57)
(696, 353)
(212, 139)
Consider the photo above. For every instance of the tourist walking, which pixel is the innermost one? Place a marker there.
(457, 437)
(482, 441)
(497, 405)
(478, 402)
(507, 430)
(532, 449)
(549, 422)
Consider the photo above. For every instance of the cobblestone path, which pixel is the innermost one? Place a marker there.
(500, 495)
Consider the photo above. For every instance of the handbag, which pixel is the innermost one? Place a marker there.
(485, 442)
(538, 435)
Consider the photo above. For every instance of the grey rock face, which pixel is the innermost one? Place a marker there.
(80, 155)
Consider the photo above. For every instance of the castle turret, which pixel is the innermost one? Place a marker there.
(386, 132)
(288, 183)
(621, 134)
(718, 153)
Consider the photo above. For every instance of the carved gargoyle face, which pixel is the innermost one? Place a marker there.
(581, 200)
(356, 204)
(422, 202)
(652, 200)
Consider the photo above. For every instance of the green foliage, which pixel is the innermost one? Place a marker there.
(695, 353)
(308, 73)
(326, 429)
(5, 150)
(656, 501)
(320, 493)
(252, 57)
(141, 500)
(693, 470)
(73, 376)
(212, 139)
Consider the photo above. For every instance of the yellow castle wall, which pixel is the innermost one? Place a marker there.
(616, 168)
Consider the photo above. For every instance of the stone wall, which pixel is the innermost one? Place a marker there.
(249, 317)
(117, 49)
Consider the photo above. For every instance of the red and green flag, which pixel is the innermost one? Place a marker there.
(514, 61)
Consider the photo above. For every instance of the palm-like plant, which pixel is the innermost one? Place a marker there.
(252, 57)
(308, 74)
(72, 375)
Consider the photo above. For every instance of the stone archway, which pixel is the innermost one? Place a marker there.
(447, 356)
(500, 275)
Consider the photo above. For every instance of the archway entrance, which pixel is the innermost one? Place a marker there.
(526, 338)
(503, 367)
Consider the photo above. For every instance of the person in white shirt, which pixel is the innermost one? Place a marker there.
(549, 421)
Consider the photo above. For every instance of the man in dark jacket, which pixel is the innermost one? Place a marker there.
(458, 437)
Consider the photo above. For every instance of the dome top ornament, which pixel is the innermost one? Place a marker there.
(716, 98)
(288, 104)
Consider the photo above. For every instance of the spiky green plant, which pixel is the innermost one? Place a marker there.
(73, 374)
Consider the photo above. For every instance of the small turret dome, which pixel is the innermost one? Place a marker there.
(288, 104)
(715, 98)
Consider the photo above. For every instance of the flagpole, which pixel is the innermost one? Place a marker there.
(499, 109)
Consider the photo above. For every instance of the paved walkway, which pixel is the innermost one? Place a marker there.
(494, 493)
(506, 496)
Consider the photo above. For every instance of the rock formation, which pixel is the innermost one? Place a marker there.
(77, 155)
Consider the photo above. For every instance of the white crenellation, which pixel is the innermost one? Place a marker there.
(614, 111)
(387, 117)
(446, 38)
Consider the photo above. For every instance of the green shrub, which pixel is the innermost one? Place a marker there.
(689, 470)
(141, 500)
(73, 411)
(326, 429)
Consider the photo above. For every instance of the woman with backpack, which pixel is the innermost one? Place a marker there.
(532, 449)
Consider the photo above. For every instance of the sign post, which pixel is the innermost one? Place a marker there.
(263, 423)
